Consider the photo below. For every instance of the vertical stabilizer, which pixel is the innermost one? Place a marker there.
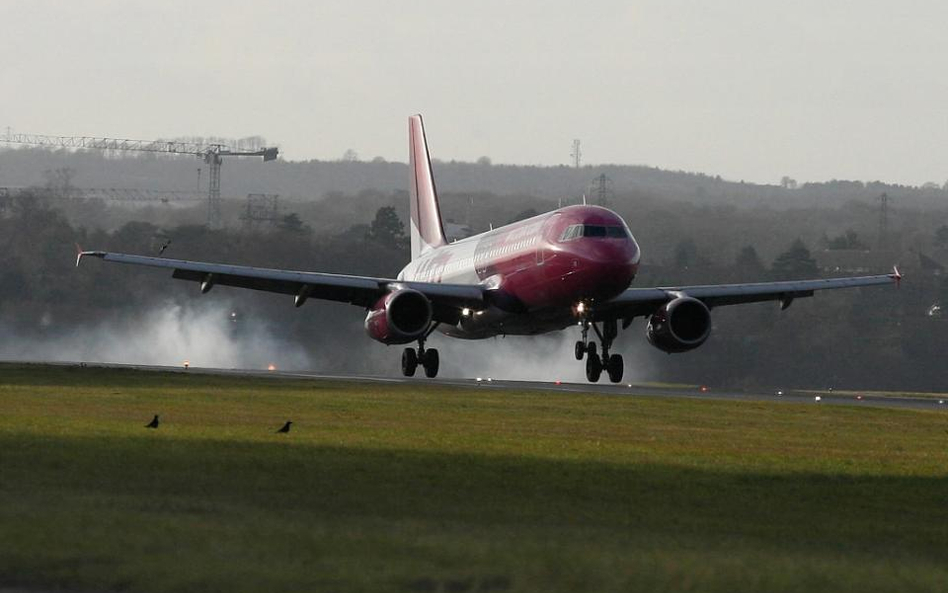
(427, 231)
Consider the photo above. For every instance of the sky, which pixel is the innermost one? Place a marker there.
(745, 89)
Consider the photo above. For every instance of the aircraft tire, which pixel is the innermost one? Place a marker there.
(591, 348)
(593, 367)
(580, 350)
(409, 362)
(431, 363)
(615, 368)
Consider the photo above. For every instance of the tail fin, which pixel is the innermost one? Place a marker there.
(427, 231)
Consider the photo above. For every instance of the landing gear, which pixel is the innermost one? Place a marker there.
(431, 361)
(427, 358)
(611, 363)
(593, 368)
(409, 362)
(615, 368)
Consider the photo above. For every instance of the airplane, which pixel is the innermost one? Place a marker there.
(572, 267)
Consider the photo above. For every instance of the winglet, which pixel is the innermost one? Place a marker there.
(897, 276)
(80, 253)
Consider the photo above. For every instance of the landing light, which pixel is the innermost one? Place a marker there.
(187, 364)
(818, 399)
(271, 367)
(465, 312)
(580, 307)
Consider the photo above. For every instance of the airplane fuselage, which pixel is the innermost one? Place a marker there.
(537, 270)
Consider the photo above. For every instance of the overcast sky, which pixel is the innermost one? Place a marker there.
(756, 89)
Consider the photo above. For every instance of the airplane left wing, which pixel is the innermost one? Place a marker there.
(636, 302)
(363, 291)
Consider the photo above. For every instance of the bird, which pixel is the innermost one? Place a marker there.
(153, 423)
(286, 427)
(164, 246)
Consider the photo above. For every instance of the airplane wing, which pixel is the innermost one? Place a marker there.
(446, 299)
(636, 302)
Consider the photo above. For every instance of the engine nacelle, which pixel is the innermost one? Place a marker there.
(680, 325)
(399, 317)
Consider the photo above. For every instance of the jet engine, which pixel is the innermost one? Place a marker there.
(680, 325)
(399, 317)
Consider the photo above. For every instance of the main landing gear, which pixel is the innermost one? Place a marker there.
(595, 365)
(427, 358)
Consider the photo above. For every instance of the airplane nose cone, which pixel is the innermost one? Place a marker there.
(603, 269)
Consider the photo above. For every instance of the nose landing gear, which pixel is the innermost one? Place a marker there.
(595, 365)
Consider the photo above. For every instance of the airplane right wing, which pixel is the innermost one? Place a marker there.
(636, 302)
(364, 291)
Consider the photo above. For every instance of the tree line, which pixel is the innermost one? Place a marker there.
(867, 338)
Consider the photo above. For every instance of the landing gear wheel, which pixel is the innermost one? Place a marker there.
(431, 363)
(580, 350)
(591, 348)
(409, 362)
(615, 367)
(593, 367)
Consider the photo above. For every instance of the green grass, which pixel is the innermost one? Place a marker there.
(385, 487)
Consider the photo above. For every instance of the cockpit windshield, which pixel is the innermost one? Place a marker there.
(594, 230)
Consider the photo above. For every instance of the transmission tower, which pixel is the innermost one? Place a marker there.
(601, 187)
(576, 154)
(261, 210)
(212, 154)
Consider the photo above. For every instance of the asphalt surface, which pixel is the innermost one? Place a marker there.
(610, 389)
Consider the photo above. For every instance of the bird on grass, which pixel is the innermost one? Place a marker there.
(153, 423)
(286, 427)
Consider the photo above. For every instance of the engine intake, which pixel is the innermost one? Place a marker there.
(680, 325)
(399, 317)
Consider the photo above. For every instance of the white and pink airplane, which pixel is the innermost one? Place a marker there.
(571, 267)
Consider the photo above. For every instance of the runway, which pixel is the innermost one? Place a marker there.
(810, 397)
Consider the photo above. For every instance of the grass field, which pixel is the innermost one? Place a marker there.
(419, 488)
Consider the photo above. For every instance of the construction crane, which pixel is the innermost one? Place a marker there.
(212, 153)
